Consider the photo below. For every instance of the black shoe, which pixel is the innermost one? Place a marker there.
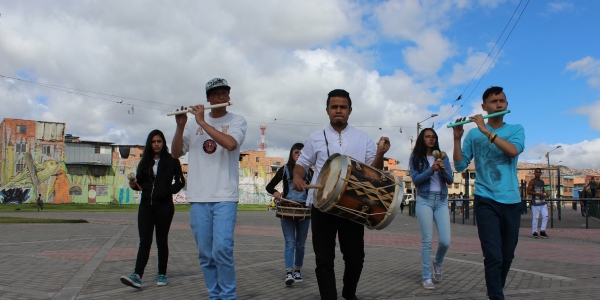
(535, 235)
(289, 278)
(543, 234)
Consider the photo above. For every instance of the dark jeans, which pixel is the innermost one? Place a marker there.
(498, 227)
(150, 216)
(352, 245)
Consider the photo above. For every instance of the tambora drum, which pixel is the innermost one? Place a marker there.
(288, 209)
(358, 192)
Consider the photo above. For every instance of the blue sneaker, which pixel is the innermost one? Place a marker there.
(162, 280)
(132, 280)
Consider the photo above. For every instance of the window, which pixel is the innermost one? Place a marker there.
(46, 149)
(278, 163)
(75, 170)
(258, 159)
(22, 129)
(21, 147)
(97, 149)
(20, 168)
(97, 171)
(456, 185)
(385, 168)
(75, 191)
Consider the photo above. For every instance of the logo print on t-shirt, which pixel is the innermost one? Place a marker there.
(209, 146)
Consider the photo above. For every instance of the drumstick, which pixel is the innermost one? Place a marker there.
(381, 143)
(313, 186)
(179, 112)
(283, 199)
(485, 117)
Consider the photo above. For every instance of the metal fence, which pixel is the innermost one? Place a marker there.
(589, 207)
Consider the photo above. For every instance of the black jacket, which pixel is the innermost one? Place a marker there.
(168, 181)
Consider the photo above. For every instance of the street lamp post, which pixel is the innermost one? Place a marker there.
(550, 172)
(419, 123)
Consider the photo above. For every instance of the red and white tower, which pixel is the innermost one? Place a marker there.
(263, 139)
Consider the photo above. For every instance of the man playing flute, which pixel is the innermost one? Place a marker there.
(495, 146)
(213, 142)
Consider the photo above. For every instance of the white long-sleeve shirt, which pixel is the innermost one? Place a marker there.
(351, 141)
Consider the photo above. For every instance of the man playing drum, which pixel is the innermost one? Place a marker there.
(343, 139)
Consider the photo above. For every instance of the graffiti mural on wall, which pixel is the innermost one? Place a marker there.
(252, 191)
(39, 177)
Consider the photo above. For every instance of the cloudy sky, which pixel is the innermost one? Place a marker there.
(401, 61)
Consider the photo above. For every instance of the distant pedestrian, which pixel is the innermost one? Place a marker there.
(39, 202)
(538, 204)
(453, 203)
(459, 203)
(159, 176)
(402, 204)
(593, 187)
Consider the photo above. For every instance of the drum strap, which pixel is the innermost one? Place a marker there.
(326, 143)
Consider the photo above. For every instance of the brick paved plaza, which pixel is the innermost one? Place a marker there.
(84, 261)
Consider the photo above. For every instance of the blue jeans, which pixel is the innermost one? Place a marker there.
(431, 209)
(295, 233)
(212, 225)
(498, 227)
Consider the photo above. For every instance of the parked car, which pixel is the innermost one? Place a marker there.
(407, 197)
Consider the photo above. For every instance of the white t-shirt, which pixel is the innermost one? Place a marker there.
(155, 167)
(434, 181)
(351, 141)
(213, 171)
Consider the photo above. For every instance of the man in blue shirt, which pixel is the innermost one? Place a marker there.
(495, 146)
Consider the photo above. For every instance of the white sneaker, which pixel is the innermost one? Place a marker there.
(428, 284)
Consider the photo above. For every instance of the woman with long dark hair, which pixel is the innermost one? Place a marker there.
(159, 176)
(431, 175)
(295, 231)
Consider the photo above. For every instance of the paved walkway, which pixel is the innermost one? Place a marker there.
(84, 261)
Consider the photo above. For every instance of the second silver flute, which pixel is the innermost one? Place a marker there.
(179, 112)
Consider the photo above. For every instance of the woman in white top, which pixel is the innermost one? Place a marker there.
(431, 175)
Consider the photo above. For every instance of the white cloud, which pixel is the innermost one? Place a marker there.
(579, 155)
(588, 67)
(421, 23)
(556, 7)
(473, 68)
(592, 112)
